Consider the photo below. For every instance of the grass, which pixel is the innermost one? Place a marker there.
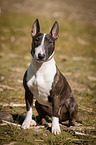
(75, 56)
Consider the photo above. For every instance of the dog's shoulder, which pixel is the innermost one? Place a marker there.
(25, 80)
(27, 76)
(60, 85)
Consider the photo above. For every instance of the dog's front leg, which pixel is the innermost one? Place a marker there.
(55, 116)
(29, 103)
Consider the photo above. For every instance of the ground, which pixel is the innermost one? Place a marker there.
(75, 55)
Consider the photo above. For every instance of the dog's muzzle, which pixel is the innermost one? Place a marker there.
(41, 57)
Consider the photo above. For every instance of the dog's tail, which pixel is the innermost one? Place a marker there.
(78, 119)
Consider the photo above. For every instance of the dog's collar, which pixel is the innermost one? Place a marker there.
(49, 57)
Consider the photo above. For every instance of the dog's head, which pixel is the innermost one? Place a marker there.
(43, 45)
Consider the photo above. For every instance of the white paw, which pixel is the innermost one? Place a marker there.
(33, 122)
(55, 126)
(56, 130)
(28, 120)
(26, 124)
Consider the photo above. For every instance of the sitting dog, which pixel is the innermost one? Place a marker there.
(44, 80)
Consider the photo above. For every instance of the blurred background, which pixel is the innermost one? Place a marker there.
(83, 10)
(75, 55)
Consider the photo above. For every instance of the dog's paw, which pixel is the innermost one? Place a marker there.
(56, 130)
(32, 122)
(55, 126)
(26, 124)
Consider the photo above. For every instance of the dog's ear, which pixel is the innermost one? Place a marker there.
(55, 31)
(35, 28)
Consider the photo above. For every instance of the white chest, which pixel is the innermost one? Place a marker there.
(39, 80)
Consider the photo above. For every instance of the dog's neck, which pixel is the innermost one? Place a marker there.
(48, 63)
(41, 67)
(50, 57)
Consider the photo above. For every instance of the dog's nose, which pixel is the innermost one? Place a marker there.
(41, 56)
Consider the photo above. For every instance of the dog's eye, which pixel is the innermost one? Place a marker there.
(36, 39)
(50, 42)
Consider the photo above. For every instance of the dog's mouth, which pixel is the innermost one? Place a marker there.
(40, 61)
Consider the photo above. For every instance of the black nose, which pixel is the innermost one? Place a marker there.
(41, 56)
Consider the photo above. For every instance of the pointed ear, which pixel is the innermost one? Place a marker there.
(55, 31)
(35, 28)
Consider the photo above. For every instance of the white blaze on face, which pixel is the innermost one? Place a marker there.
(40, 48)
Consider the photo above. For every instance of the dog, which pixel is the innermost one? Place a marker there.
(44, 80)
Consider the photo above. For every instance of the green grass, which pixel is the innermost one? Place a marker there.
(75, 55)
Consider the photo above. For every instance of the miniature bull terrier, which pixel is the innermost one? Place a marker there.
(44, 81)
